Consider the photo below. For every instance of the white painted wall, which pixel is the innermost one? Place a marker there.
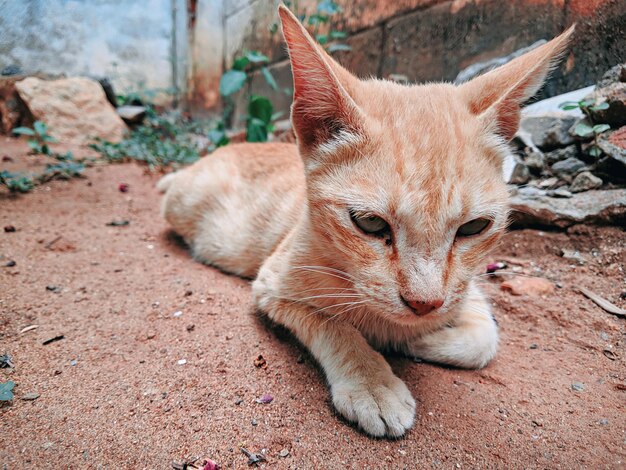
(129, 41)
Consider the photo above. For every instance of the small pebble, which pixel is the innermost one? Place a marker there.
(182, 362)
(177, 313)
(10, 264)
(30, 396)
(190, 327)
(123, 187)
(604, 422)
(238, 401)
(578, 387)
(188, 293)
(9, 229)
(73, 362)
(254, 422)
(284, 453)
(150, 247)
(533, 346)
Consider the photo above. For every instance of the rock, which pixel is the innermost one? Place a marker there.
(75, 109)
(554, 104)
(578, 387)
(533, 207)
(560, 154)
(530, 286)
(613, 165)
(132, 114)
(11, 70)
(550, 130)
(584, 182)
(549, 182)
(567, 168)
(559, 192)
(535, 162)
(13, 113)
(520, 174)
(109, 91)
(30, 396)
(573, 255)
(479, 68)
(611, 89)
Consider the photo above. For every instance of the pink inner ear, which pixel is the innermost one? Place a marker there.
(321, 106)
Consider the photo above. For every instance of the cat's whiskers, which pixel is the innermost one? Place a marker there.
(328, 271)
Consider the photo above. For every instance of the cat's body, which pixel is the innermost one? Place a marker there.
(369, 232)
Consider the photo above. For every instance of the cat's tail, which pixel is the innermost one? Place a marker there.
(164, 183)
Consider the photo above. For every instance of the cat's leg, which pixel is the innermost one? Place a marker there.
(364, 389)
(470, 341)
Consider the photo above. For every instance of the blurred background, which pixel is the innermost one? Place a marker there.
(181, 48)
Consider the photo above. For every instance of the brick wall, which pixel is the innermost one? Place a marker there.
(428, 40)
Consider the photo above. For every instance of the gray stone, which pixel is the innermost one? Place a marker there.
(573, 255)
(132, 114)
(479, 68)
(568, 167)
(549, 131)
(611, 90)
(520, 174)
(560, 154)
(584, 182)
(533, 207)
(535, 162)
(559, 192)
(613, 165)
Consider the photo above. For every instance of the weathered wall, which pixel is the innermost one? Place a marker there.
(427, 40)
(134, 43)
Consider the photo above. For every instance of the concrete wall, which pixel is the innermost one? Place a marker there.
(134, 43)
(431, 40)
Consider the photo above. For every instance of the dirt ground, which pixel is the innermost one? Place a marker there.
(114, 392)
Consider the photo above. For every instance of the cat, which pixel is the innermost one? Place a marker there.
(368, 233)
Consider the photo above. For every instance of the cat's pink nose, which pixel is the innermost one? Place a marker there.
(422, 307)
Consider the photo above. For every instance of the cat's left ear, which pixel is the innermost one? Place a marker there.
(496, 96)
(323, 110)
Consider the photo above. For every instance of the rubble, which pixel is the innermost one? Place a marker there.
(611, 89)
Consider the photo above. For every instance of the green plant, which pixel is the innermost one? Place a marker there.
(65, 168)
(6, 390)
(40, 137)
(587, 128)
(159, 142)
(260, 109)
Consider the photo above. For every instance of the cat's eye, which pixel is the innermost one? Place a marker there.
(370, 224)
(473, 227)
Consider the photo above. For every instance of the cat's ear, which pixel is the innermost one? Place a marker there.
(322, 109)
(497, 95)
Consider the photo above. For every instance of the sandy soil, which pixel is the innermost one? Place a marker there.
(113, 394)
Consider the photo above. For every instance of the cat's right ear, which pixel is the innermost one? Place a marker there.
(322, 113)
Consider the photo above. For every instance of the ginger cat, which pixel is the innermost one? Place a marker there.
(367, 234)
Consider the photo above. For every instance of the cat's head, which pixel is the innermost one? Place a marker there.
(404, 183)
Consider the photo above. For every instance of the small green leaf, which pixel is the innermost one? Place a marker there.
(600, 107)
(338, 35)
(49, 138)
(260, 108)
(240, 63)
(594, 151)
(600, 128)
(568, 105)
(256, 57)
(6, 390)
(317, 19)
(232, 81)
(23, 131)
(583, 130)
(34, 146)
(586, 103)
(322, 38)
(269, 78)
(256, 130)
(338, 47)
(40, 127)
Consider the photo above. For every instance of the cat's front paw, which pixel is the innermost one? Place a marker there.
(382, 408)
